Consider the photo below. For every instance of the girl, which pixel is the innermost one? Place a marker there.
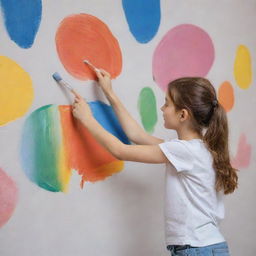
(198, 169)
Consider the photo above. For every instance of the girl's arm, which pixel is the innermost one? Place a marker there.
(138, 153)
(132, 129)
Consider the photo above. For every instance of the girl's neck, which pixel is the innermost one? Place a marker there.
(188, 135)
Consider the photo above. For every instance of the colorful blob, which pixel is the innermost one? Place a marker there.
(85, 37)
(84, 154)
(8, 197)
(243, 67)
(41, 149)
(243, 155)
(16, 91)
(22, 19)
(147, 109)
(54, 143)
(185, 50)
(143, 18)
(226, 96)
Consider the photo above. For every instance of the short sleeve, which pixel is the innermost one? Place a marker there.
(178, 154)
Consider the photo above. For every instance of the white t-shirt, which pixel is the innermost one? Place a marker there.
(193, 208)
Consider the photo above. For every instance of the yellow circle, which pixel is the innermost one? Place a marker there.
(16, 91)
(243, 67)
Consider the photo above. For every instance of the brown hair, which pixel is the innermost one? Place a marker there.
(198, 96)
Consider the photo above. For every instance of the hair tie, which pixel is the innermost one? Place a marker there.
(215, 103)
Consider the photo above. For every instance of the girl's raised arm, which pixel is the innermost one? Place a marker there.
(138, 153)
(132, 129)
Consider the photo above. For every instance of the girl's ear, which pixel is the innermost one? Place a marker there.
(184, 115)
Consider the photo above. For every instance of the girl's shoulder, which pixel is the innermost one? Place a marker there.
(190, 149)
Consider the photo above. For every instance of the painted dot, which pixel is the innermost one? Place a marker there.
(22, 19)
(147, 109)
(8, 197)
(16, 91)
(185, 50)
(226, 96)
(243, 67)
(243, 156)
(85, 37)
(143, 18)
(54, 143)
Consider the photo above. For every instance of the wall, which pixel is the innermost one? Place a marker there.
(43, 214)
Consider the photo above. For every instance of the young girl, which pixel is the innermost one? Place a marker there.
(198, 169)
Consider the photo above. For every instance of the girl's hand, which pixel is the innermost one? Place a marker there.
(81, 109)
(104, 80)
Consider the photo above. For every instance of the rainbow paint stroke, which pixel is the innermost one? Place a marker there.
(54, 143)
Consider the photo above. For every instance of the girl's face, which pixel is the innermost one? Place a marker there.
(170, 115)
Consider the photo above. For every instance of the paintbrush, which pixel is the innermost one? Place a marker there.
(91, 65)
(60, 81)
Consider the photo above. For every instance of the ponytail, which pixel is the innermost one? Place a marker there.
(216, 139)
(198, 96)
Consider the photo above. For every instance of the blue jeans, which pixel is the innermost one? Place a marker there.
(220, 249)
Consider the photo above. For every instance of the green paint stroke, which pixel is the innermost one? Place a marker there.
(41, 141)
(147, 109)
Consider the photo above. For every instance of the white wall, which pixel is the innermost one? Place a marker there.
(123, 215)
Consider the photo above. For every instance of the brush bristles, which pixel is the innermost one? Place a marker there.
(56, 77)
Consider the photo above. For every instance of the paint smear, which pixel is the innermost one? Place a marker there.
(243, 155)
(143, 18)
(243, 67)
(85, 37)
(185, 50)
(16, 91)
(22, 19)
(8, 197)
(84, 153)
(147, 109)
(41, 149)
(54, 143)
(226, 96)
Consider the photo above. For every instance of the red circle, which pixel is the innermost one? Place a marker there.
(85, 37)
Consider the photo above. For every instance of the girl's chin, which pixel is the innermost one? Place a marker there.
(166, 126)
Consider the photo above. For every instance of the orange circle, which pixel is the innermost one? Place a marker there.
(226, 96)
(85, 37)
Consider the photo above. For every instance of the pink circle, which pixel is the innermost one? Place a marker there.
(8, 197)
(185, 50)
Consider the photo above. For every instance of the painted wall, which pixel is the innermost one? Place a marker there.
(61, 193)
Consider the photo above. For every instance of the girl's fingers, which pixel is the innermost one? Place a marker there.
(77, 95)
(76, 100)
(98, 74)
(104, 72)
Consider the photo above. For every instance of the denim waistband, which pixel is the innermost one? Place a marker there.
(179, 247)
